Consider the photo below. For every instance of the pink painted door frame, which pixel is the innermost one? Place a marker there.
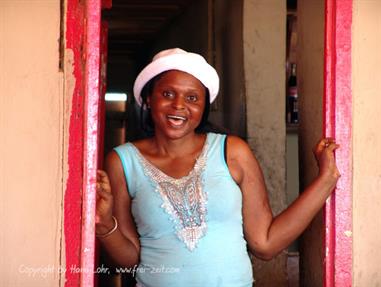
(83, 39)
(74, 38)
(91, 138)
(338, 124)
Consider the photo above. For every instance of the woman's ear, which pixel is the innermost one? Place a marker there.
(148, 102)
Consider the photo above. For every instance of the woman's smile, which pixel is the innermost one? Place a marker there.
(176, 121)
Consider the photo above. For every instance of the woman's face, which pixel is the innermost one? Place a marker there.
(177, 104)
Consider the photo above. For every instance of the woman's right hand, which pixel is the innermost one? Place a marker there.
(103, 219)
(324, 154)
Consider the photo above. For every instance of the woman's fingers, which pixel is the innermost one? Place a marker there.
(102, 194)
(103, 182)
(325, 142)
(333, 146)
(102, 176)
(324, 154)
(104, 198)
(104, 205)
(328, 144)
(103, 186)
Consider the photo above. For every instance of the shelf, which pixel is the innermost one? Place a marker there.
(292, 128)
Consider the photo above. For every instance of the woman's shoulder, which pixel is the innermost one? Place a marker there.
(121, 150)
(236, 140)
(142, 145)
(121, 154)
(237, 147)
(139, 144)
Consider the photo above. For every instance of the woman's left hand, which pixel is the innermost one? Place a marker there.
(104, 204)
(324, 154)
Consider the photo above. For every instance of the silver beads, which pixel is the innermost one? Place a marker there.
(183, 199)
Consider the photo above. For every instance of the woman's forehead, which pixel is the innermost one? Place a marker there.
(176, 77)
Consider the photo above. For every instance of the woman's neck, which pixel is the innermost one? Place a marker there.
(188, 144)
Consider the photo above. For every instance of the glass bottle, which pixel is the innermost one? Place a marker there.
(292, 97)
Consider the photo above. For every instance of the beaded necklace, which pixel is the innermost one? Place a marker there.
(183, 198)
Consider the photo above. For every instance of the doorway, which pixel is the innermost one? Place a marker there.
(138, 29)
(212, 44)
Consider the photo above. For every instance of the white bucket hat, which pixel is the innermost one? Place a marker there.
(178, 59)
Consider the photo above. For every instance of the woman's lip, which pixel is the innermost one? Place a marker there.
(176, 122)
(175, 117)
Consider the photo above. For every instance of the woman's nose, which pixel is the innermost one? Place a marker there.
(178, 102)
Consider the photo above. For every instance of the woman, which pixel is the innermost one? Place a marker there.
(184, 205)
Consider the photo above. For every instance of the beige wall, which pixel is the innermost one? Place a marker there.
(310, 87)
(264, 39)
(31, 107)
(366, 85)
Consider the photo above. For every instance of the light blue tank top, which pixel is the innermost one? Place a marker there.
(190, 229)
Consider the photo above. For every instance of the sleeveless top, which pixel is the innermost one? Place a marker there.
(190, 229)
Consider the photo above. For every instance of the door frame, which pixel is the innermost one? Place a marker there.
(337, 123)
(84, 126)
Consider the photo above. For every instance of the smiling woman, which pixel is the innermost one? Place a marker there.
(193, 201)
(177, 103)
(177, 60)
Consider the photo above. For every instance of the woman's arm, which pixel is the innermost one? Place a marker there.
(113, 199)
(266, 235)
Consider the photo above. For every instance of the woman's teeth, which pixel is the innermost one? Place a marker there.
(176, 120)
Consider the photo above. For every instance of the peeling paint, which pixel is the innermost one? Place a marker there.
(348, 233)
(73, 68)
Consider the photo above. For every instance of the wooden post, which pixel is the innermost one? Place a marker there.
(338, 124)
(91, 133)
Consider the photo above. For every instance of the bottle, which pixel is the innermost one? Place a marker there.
(292, 97)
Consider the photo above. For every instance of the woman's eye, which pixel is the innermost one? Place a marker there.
(167, 94)
(192, 98)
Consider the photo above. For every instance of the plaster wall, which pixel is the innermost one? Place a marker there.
(31, 113)
(310, 73)
(264, 54)
(366, 87)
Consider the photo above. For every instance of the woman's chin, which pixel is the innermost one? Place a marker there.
(176, 133)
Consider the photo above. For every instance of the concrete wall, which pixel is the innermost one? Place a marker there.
(264, 36)
(31, 114)
(366, 87)
(310, 87)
